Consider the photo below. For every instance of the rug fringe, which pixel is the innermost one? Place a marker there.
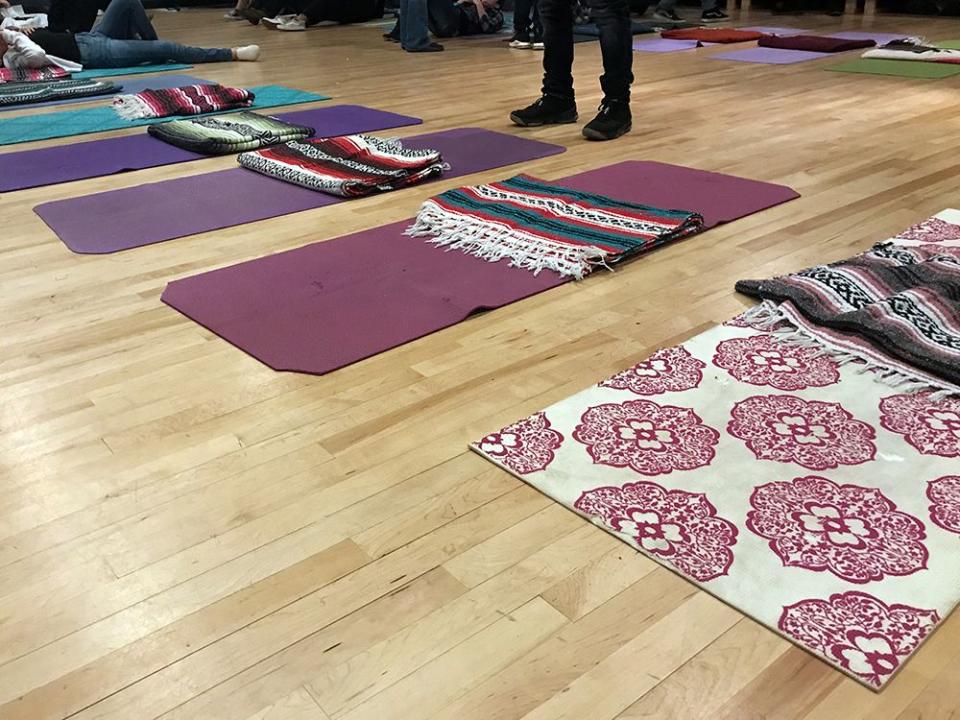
(769, 316)
(493, 243)
(131, 107)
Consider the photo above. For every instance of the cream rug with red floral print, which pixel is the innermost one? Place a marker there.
(806, 494)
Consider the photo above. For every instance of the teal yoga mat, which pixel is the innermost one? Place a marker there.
(136, 70)
(28, 128)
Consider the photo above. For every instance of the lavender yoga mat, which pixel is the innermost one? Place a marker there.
(769, 56)
(128, 218)
(330, 304)
(96, 158)
(125, 86)
(663, 45)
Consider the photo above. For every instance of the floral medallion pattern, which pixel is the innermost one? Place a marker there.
(651, 439)
(859, 632)
(854, 532)
(944, 493)
(760, 360)
(932, 427)
(677, 527)
(816, 435)
(668, 370)
(526, 446)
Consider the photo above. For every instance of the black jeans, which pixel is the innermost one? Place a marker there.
(526, 18)
(616, 44)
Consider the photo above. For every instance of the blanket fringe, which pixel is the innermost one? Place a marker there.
(131, 107)
(493, 243)
(768, 316)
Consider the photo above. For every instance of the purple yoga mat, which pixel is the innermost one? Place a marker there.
(770, 56)
(159, 82)
(80, 161)
(330, 304)
(663, 45)
(128, 218)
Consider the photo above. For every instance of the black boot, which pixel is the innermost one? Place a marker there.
(548, 110)
(613, 120)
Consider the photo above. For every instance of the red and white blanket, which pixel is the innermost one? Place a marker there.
(187, 100)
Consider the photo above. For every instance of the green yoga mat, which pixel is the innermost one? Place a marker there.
(136, 70)
(27, 128)
(899, 68)
(949, 44)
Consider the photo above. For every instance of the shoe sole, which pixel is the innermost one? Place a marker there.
(525, 123)
(667, 20)
(710, 21)
(594, 135)
(521, 46)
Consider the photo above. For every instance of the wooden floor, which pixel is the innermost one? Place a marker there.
(186, 534)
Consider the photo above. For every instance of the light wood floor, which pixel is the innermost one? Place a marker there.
(186, 534)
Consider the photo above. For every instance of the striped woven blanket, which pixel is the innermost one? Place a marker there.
(914, 48)
(537, 225)
(22, 75)
(895, 308)
(349, 166)
(223, 134)
(33, 92)
(187, 100)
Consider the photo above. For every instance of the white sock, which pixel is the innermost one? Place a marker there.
(247, 53)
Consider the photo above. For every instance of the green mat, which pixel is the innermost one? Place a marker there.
(900, 68)
(28, 128)
(949, 44)
(136, 70)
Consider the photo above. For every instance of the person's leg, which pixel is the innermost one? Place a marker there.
(99, 51)
(126, 20)
(443, 18)
(557, 19)
(414, 28)
(522, 16)
(616, 46)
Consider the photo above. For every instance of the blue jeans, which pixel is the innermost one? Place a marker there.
(414, 24)
(125, 20)
(100, 51)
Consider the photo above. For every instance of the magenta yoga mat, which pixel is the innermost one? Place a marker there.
(330, 304)
(132, 217)
(96, 158)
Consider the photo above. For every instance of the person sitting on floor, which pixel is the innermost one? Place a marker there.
(316, 11)
(124, 37)
(453, 18)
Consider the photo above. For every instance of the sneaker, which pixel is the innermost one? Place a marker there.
(546, 111)
(714, 16)
(293, 25)
(234, 15)
(274, 23)
(521, 41)
(432, 47)
(538, 45)
(667, 16)
(613, 120)
(247, 53)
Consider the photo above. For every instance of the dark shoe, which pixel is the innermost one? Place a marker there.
(432, 47)
(613, 120)
(666, 16)
(546, 111)
(714, 16)
(253, 15)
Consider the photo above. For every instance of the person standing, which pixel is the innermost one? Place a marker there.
(557, 103)
(710, 12)
(527, 32)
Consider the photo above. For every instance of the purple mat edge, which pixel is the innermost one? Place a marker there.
(556, 281)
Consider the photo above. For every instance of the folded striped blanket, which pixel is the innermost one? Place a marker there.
(33, 92)
(187, 100)
(22, 75)
(537, 225)
(349, 166)
(224, 134)
(896, 308)
(913, 49)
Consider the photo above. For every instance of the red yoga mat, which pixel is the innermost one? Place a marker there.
(330, 304)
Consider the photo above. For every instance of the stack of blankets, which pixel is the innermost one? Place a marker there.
(225, 134)
(914, 49)
(22, 93)
(538, 225)
(350, 166)
(187, 100)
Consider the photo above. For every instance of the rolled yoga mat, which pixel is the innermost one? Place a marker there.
(122, 219)
(27, 128)
(135, 70)
(132, 86)
(330, 304)
(96, 158)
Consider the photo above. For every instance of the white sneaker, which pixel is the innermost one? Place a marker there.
(538, 46)
(234, 15)
(521, 44)
(292, 25)
(248, 53)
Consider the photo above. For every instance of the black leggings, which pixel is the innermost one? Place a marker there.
(526, 17)
(342, 11)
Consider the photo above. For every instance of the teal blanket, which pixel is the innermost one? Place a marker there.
(135, 70)
(28, 128)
